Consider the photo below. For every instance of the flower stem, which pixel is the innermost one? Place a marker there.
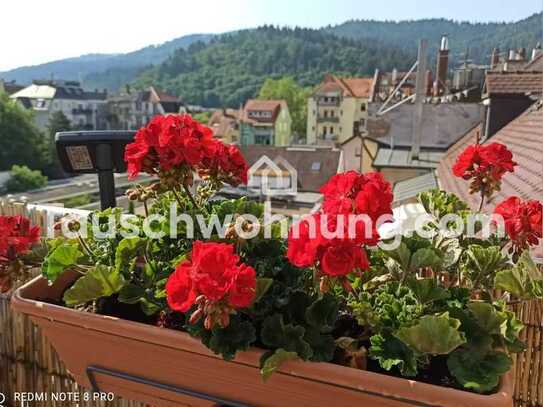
(482, 199)
(189, 194)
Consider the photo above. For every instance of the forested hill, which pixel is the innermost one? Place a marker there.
(480, 38)
(232, 67)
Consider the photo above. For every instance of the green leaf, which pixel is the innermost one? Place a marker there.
(64, 255)
(273, 362)
(127, 250)
(322, 314)
(237, 336)
(131, 293)
(262, 286)
(425, 257)
(478, 371)
(524, 281)
(482, 263)
(322, 345)
(391, 352)
(275, 334)
(487, 318)
(102, 281)
(426, 290)
(402, 255)
(433, 334)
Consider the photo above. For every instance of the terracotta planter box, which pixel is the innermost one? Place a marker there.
(172, 358)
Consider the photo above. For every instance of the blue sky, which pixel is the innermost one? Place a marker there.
(38, 31)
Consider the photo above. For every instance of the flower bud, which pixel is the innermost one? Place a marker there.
(196, 316)
(209, 322)
(324, 285)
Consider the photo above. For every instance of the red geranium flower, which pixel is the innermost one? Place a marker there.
(180, 143)
(180, 292)
(16, 236)
(212, 279)
(523, 221)
(342, 257)
(485, 165)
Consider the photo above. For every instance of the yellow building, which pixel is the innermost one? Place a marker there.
(338, 109)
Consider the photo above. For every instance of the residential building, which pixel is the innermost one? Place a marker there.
(338, 109)
(523, 136)
(300, 170)
(224, 123)
(85, 110)
(132, 109)
(506, 95)
(265, 122)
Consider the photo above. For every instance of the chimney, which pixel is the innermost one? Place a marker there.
(394, 78)
(521, 54)
(429, 82)
(495, 58)
(536, 51)
(442, 67)
(127, 88)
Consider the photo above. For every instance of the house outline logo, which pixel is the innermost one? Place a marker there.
(273, 168)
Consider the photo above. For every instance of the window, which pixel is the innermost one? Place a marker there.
(326, 113)
(316, 166)
(324, 130)
(331, 113)
(331, 129)
(363, 107)
(362, 122)
(341, 112)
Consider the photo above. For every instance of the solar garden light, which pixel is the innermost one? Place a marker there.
(95, 152)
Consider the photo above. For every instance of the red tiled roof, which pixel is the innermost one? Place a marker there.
(222, 121)
(354, 87)
(519, 82)
(273, 106)
(524, 137)
(535, 64)
(165, 97)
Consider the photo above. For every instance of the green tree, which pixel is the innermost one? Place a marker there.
(24, 179)
(296, 97)
(202, 117)
(20, 140)
(57, 122)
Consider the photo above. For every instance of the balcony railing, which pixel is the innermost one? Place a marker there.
(82, 110)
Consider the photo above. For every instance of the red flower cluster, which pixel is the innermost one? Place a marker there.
(180, 142)
(329, 238)
(16, 238)
(523, 221)
(214, 280)
(485, 165)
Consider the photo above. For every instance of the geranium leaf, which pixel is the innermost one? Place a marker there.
(322, 345)
(273, 362)
(322, 313)
(391, 352)
(61, 257)
(102, 281)
(433, 334)
(262, 287)
(425, 257)
(524, 281)
(127, 250)
(426, 290)
(272, 331)
(237, 336)
(478, 371)
(131, 293)
(487, 318)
